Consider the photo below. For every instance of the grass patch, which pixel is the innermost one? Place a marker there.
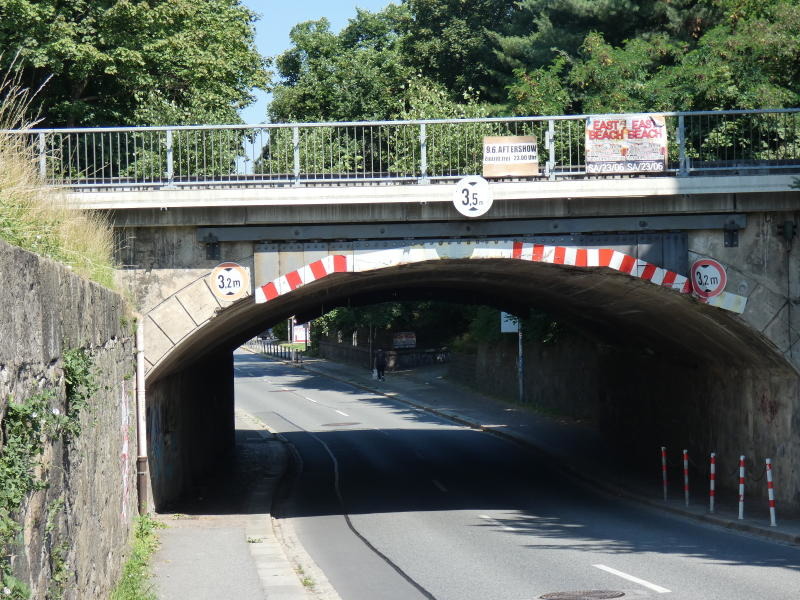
(36, 216)
(135, 581)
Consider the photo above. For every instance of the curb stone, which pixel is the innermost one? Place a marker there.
(279, 557)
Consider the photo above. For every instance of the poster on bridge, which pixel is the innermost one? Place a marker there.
(626, 144)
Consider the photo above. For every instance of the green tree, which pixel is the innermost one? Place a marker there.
(750, 58)
(134, 62)
(542, 30)
(357, 74)
(453, 42)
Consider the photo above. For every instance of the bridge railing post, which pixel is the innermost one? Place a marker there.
(170, 174)
(42, 156)
(423, 153)
(550, 144)
(296, 151)
(683, 169)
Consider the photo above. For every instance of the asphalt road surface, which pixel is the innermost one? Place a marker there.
(393, 503)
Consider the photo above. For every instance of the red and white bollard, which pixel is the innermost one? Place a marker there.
(686, 476)
(771, 493)
(741, 487)
(712, 481)
(664, 469)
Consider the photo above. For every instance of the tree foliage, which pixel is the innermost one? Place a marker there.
(356, 74)
(714, 55)
(134, 62)
(453, 41)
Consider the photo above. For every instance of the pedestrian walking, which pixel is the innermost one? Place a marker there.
(380, 363)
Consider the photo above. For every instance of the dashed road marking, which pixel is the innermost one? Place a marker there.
(344, 414)
(652, 586)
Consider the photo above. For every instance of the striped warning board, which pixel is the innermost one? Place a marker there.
(558, 255)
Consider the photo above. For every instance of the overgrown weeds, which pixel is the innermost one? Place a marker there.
(36, 216)
(135, 581)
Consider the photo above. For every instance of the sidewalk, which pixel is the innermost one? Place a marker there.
(221, 544)
(577, 449)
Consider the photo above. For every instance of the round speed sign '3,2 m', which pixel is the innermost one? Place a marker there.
(472, 196)
(229, 281)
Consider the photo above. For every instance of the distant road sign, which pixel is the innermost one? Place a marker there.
(229, 281)
(708, 278)
(472, 196)
(508, 323)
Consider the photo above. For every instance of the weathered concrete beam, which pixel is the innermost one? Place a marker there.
(633, 187)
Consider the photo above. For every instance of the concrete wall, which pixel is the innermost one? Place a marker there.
(190, 422)
(765, 268)
(641, 401)
(46, 311)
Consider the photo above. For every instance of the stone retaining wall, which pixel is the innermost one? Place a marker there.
(75, 531)
(641, 401)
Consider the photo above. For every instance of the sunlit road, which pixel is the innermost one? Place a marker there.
(394, 503)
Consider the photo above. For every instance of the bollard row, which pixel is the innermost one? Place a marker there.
(712, 480)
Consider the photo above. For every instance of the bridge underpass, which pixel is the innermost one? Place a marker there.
(179, 209)
(671, 367)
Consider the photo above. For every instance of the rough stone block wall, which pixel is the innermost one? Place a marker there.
(78, 527)
(707, 408)
(345, 353)
(642, 401)
(190, 424)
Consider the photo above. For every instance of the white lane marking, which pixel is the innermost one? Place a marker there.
(647, 584)
(498, 523)
(439, 485)
(344, 414)
(310, 399)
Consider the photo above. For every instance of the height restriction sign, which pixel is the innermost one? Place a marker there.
(229, 281)
(472, 196)
(708, 278)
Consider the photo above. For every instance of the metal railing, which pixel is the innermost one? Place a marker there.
(387, 151)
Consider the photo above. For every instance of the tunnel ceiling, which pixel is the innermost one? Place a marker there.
(610, 306)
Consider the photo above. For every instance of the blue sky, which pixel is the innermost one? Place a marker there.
(278, 18)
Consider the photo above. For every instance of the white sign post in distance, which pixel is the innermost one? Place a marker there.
(229, 281)
(708, 278)
(472, 196)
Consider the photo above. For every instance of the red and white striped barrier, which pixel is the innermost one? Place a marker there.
(686, 476)
(771, 493)
(335, 263)
(557, 255)
(712, 477)
(741, 487)
(664, 469)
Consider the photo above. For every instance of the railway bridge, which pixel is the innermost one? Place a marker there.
(328, 214)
